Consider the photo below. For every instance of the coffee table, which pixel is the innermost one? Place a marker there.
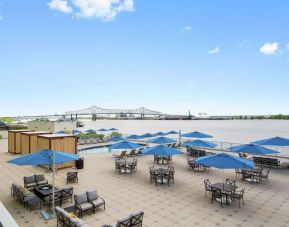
(73, 209)
(42, 193)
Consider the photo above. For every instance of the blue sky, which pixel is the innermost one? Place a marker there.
(217, 57)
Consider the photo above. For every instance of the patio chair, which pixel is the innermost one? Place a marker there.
(170, 177)
(217, 195)
(66, 194)
(264, 176)
(29, 182)
(208, 187)
(239, 195)
(231, 182)
(95, 199)
(157, 158)
(132, 153)
(40, 179)
(71, 177)
(81, 201)
(169, 159)
(137, 218)
(238, 172)
(57, 198)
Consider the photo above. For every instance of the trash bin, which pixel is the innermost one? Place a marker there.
(79, 163)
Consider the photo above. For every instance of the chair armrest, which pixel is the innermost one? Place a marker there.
(101, 198)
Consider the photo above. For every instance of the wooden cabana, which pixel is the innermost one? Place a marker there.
(29, 141)
(14, 140)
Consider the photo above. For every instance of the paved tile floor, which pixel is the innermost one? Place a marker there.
(181, 204)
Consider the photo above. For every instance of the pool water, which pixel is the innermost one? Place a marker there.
(95, 150)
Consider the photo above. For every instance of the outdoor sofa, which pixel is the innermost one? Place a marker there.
(132, 220)
(30, 182)
(67, 220)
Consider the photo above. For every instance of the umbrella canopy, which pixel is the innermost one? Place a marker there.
(60, 132)
(197, 134)
(275, 141)
(159, 134)
(162, 140)
(199, 143)
(44, 157)
(117, 138)
(90, 131)
(172, 133)
(75, 131)
(133, 137)
(102, 130)
(161, 150)
(225, 161)
(112, 129)
(147, 135)
(253, 149)
(125, 145)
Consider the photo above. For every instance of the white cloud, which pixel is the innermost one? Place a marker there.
(214, 50)
(186, 29)
(270, 48)
(61, 5)
(103, 9)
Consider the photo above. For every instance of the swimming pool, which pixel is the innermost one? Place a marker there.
(95, 150)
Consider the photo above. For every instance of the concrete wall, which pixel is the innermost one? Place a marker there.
(52, 126)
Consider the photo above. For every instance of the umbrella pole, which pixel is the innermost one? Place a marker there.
(53, 179)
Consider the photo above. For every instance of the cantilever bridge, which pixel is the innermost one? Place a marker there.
(95, 111)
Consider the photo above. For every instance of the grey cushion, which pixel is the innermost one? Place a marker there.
(85, 206)
(97, 202)
(31, 185)
(76, 221)
(29, 179)
(92, 195)
(123, 219)
(42, 182)
(81, 198)
(39, 177)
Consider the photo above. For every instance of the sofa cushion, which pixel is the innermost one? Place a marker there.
(76, 221)
(97, 202)
(25, 192)
(92, 195)
(81, 198)
(31, 185)
(39, 177)
(85, 206)
(125, 219)
(29, 179)
(44, 182)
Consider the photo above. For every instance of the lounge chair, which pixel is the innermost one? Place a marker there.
(132, 220)
(72, 177)
(30, 182)
(82, 203)
(65, 219)
(95, 199)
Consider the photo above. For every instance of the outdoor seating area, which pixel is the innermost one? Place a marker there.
(193, 166)
(30, 182)
(267, 162)
(132, 220)
(224, 192)
(88, 201)
(125, 166)
(161, 175)
(195, 152)
(256, 175)
(163, 159)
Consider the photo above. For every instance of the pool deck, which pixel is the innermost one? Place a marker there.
(180, 204)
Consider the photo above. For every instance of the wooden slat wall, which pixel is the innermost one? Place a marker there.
(18, 142)
(25, 144)
(11, 145)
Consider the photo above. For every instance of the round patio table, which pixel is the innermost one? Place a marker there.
(226, 189)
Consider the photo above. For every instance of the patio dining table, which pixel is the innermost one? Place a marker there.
(226, 190)
(162, 173)
(125, 165)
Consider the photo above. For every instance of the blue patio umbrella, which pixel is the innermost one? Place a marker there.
(117, 138)
(161, 150)
(162, 140)
(159, 134)
(132, 137)
(197, 134)
(225, 161)
(147, 135)
(90, 131)
(60, 132)
(112, 129)
(102, 130)
(172, 133)
(125, 145)
(46, 157)
(75, 131)
(199, 143)
(253, 149)
(275, 141)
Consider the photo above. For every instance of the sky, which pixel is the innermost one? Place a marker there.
(218, 57)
